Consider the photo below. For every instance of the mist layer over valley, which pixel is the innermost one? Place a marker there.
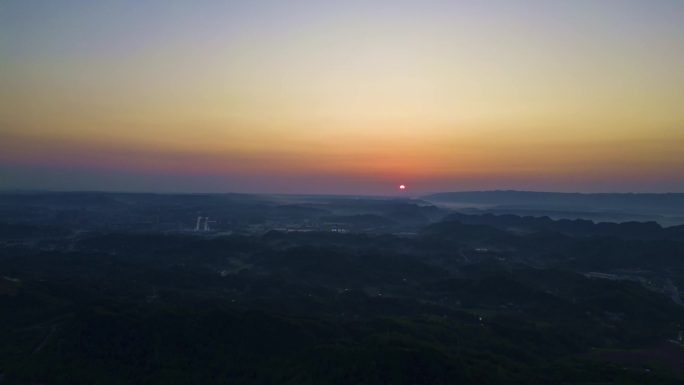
(236, 288)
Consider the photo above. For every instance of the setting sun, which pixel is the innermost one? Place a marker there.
(342, 97)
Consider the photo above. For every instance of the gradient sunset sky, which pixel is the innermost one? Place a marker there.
(342, 97)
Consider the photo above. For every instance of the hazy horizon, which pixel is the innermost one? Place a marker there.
(396, 194)
(354, 97)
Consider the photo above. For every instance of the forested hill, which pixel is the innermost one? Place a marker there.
(576, 227)
(146, 289)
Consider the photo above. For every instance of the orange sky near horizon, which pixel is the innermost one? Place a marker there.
(526, 96)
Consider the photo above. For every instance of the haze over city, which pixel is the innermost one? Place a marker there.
(342, 97)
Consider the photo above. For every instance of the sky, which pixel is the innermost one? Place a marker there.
(342, 97)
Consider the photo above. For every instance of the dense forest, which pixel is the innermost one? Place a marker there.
(466, 299)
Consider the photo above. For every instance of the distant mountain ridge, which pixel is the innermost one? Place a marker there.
(538, 197)
(665, 202)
